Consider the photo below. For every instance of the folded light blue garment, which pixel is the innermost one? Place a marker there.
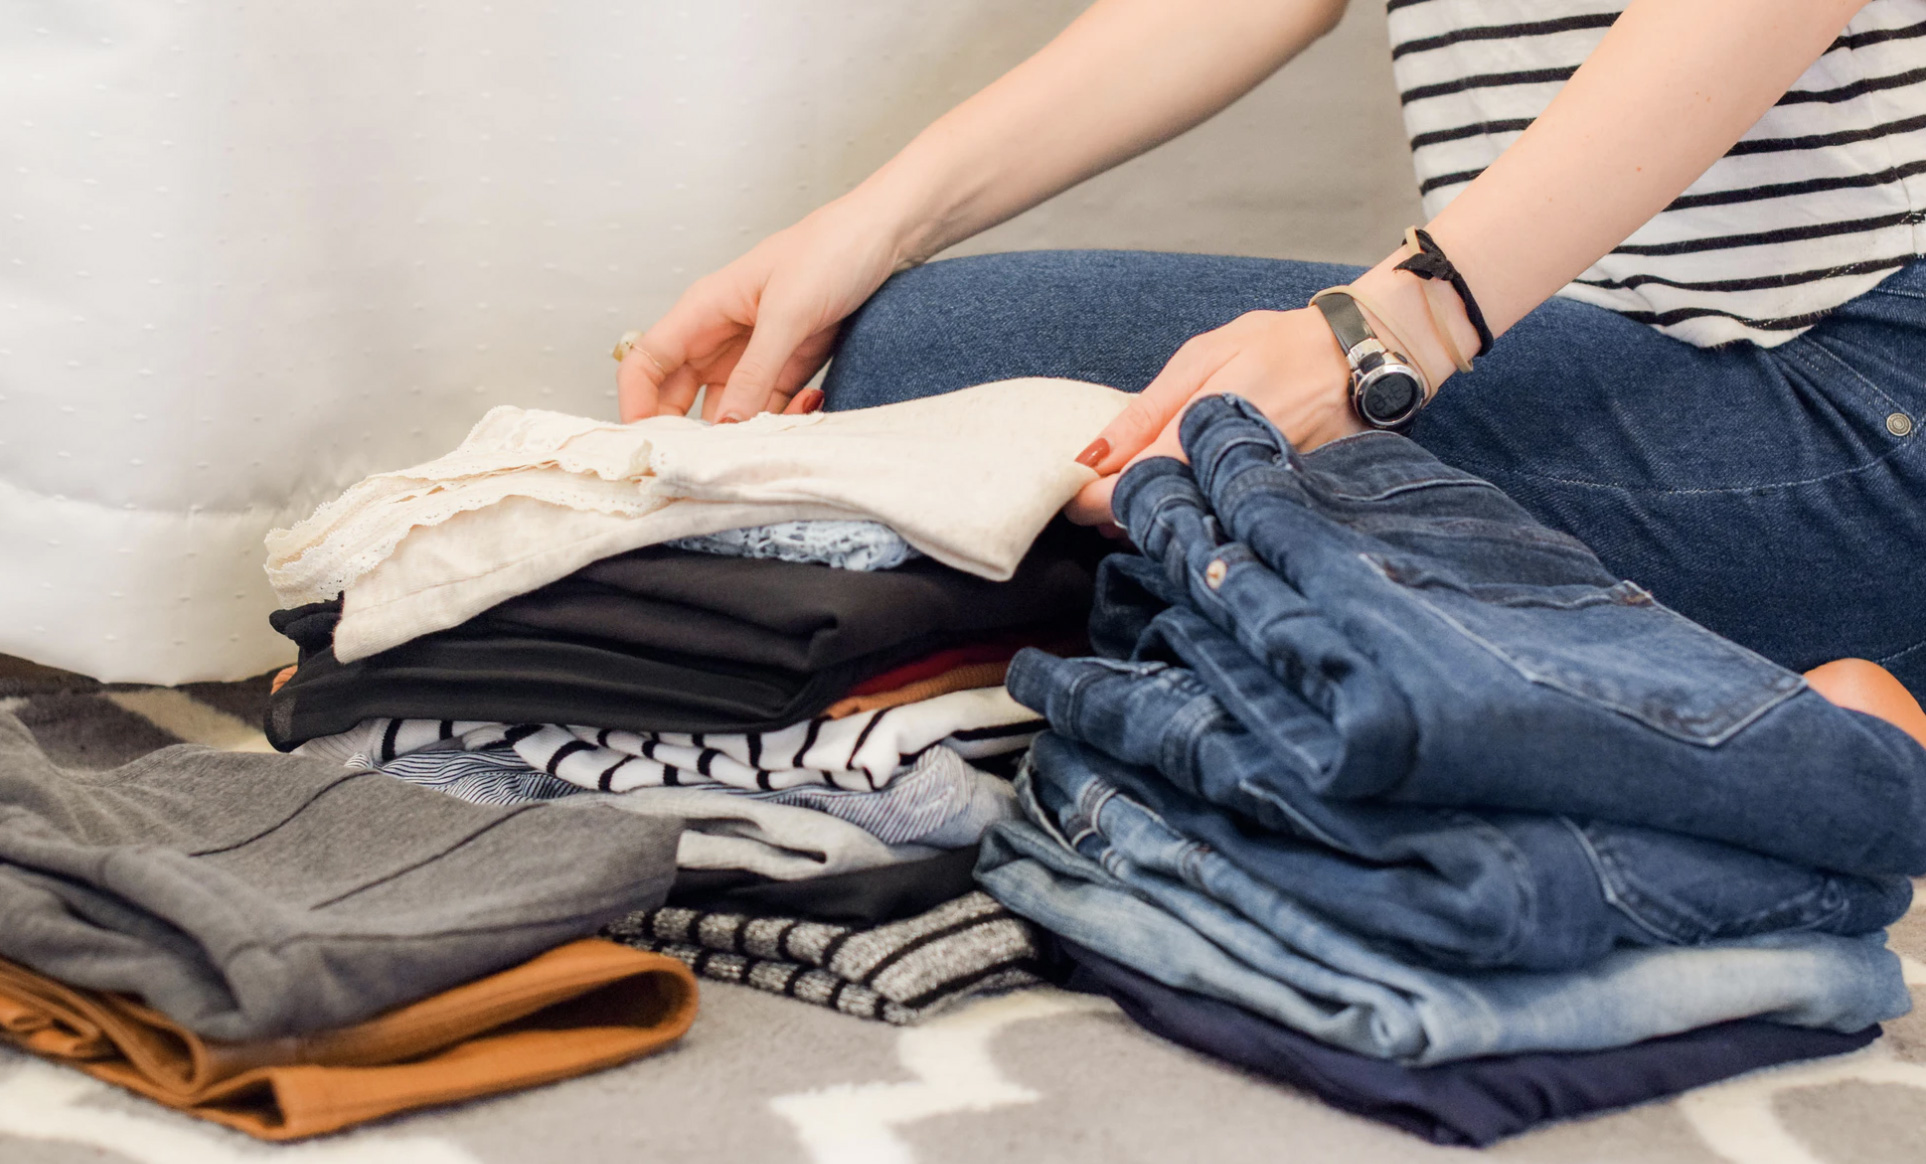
(1313, 976)
(943, 801)
(846, 545)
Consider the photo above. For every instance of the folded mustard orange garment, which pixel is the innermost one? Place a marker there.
(965, 678)
(578, 1008)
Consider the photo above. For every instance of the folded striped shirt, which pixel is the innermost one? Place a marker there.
(901, 972)
(861, 752)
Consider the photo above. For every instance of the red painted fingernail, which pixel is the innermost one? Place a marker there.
(1094, 455)
(728, 418)
(811, 400)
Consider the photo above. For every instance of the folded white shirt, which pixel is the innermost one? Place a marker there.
(969, 478)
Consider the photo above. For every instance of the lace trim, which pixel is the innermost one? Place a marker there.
(570, 461)
(511, 452)
(329, 569)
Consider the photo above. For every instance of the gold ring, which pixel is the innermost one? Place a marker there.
(632, 341)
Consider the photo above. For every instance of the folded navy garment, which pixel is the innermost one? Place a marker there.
(1471, 1102)
(871, 897)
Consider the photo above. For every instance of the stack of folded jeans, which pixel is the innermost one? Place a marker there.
(788, 636)
(1368, 756)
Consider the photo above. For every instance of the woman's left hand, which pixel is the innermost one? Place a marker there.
(1287, 363)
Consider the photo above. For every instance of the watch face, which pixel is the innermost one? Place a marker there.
(1389, 399)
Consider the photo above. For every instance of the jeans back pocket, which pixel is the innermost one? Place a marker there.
(1685, 891)
(1613, 646)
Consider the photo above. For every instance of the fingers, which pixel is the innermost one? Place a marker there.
(1166, 443)
(808, 400)
(702, 326)
(639, 382)
(653, 361)
(1091, 505)
(678, 392)
(775, 339)
(1152, 410)
(807, 360)
(1149, 422)
(790, 397)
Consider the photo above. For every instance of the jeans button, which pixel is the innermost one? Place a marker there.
(1899, 424)
(1214, 573)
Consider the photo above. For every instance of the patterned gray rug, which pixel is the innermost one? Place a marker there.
(1035, 1076)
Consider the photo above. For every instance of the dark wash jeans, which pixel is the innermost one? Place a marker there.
(1450, 888)
(1427, 642)
(1777, 496)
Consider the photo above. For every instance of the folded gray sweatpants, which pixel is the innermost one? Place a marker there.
(251, 896)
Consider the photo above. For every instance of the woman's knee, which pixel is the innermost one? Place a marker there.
(1111, 317)
(919, 334)
(1867, 687)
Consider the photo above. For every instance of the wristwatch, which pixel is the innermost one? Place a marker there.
(1387, 389)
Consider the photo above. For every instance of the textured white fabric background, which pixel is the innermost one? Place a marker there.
(251, 252)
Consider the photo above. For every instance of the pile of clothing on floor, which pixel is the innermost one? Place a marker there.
(1349, 772)
(788, 636)
(1376, 785)
(582, 711)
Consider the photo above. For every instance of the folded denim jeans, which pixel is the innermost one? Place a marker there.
(1340, 990)
(1447, 649)
(1452, 888)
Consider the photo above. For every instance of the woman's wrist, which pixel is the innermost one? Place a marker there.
(918, 212)
(1424, 315)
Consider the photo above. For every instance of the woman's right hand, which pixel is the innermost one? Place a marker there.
(759, 328)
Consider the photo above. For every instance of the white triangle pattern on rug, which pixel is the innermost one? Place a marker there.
(954, 1072)
(42, 1102)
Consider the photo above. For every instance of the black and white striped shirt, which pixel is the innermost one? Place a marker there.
(1821, 200)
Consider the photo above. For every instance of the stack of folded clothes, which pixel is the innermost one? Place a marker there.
(287, 947)
(788, 635)
(1380, 786)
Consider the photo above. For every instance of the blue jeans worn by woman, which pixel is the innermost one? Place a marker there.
(1778, 496)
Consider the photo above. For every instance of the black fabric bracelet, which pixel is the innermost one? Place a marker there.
(1430, 263)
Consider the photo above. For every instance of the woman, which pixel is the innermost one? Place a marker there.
(1715, 387)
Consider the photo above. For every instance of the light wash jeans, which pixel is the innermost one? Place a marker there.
(1455, 890)
(1321, 980)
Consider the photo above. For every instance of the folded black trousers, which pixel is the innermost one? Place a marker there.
(670, 640)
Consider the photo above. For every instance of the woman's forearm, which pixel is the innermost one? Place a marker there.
(1127, 75)
(1669, 89)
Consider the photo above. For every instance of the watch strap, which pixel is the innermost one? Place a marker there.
(1347, 322)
